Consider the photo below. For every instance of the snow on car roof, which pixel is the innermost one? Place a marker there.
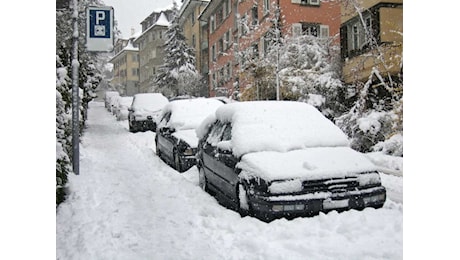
(150, 101)
(276, 126)
(189, 113)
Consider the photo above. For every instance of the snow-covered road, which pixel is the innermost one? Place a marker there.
(127, 204)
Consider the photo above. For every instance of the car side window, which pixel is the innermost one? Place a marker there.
(227, 134)
(216, 133)
(165, 119)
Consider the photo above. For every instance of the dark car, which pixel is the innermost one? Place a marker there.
(273, 159)
(176, 139)
(145, 110)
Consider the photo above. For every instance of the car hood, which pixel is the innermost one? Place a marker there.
(188, 136)
(305, 164)
(146, 112)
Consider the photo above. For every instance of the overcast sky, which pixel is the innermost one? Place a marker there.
(130, 13)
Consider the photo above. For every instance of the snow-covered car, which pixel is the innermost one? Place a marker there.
(121, 110)
(176, 139)
(108, 99)
(143, 112)
(273, 159)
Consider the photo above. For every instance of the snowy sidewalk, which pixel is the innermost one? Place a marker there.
(127, 204)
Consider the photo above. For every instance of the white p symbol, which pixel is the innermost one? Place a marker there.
(100, 16)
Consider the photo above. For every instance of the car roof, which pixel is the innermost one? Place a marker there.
(276, 126)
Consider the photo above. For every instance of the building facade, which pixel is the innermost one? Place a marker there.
(151, 47)
(238, 31)
(195, 31)
(372, 40)
(126, 66)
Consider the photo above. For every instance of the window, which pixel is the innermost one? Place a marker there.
(310, 29)
(212, 21)
(193, 41)
(266, 6)
(219, 15)
(192, 17)
(213, 52)
(255, 15)
(227, 40)
(255, 50)
(221, 46)
(306, 2)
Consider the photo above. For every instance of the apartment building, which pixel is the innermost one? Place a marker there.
(372, 39)
(240, 26)
(195, 31)
(126, 66)
(151, 47)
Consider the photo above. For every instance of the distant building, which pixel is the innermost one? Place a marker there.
(240, 26)
(126, 66)
(195, 31)
(151, 47)
(383, 21)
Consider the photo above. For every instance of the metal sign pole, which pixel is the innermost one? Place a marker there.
(75, 96)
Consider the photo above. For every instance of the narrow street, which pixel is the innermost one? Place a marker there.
(128, 204)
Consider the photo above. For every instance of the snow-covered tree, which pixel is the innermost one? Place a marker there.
(89, 78)
(375, 121)
(308, 72)
(178, 74)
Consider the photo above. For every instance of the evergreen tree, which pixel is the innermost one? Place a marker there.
(89, 79)
(178, 74)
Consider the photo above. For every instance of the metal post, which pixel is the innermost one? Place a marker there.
(75, 92)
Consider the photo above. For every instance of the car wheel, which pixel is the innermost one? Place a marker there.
(202, 182)
(177, 163)
(244, 208)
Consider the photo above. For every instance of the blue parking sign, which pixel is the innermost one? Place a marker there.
(99, 28)
(99, 24)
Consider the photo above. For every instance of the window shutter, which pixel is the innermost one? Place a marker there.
(324, 31)
(295, 1)
(296, 29)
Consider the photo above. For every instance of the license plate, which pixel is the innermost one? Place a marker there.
(335, 204)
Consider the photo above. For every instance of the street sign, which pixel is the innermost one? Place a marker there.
(99, 28)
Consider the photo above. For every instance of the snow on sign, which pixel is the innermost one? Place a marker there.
(99, 28)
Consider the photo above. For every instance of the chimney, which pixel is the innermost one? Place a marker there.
(132, 31)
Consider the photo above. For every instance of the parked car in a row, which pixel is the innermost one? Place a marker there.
(144, 111)
(176, 139)
(273, 159)
(122, 107)
(109, 98)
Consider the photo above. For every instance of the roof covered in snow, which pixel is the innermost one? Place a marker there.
(279, 126)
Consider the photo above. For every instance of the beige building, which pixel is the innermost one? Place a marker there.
(126, 66)
(195, 31)
(361, 53)
(151, 47)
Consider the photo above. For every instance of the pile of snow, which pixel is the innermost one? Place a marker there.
(188, 113)
(276, 126)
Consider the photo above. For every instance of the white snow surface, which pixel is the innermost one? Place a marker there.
(189, 113)
(127, 204)
(305, 164)
(276, 126)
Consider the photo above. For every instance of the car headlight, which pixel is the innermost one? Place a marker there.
(369, 179)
